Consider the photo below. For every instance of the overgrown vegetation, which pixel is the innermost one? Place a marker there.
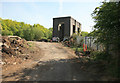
(84, 33)
(107, 32)
(27, 31)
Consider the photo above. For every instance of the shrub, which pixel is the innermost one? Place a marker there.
(97, 55)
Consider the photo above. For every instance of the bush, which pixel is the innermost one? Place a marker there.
(97, 55)
(80, 49)
(38, 34)
(6, 32)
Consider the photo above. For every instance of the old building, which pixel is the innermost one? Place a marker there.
(64, 27)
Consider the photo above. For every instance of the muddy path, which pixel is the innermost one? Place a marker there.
(58, 63)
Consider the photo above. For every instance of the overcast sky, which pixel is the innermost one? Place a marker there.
(43, 11)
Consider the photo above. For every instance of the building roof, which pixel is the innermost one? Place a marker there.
(62, 17)
(65, 17)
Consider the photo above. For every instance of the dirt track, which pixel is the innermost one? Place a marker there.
(58, 63)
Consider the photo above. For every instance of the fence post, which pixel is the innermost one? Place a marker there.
(85, 40)
(90, 41)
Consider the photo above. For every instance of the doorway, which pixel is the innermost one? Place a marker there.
(73, 29)
(61, 32)
(78, 30)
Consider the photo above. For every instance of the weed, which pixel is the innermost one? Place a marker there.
(30, 44)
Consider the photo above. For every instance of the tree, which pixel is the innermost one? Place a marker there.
(23, 30)
(50, 33)
(38, 33)
(106, 29)
(6, 32)
(107, 22)
(83, 33)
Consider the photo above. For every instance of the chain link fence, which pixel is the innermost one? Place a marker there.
(90, 42)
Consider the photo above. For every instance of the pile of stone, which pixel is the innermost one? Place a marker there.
(72, 42)
(13, 45)
(69, 42)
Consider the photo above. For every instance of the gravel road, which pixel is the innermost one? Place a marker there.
(58, 63)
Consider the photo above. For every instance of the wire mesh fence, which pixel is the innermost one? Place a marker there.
(90, 43)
